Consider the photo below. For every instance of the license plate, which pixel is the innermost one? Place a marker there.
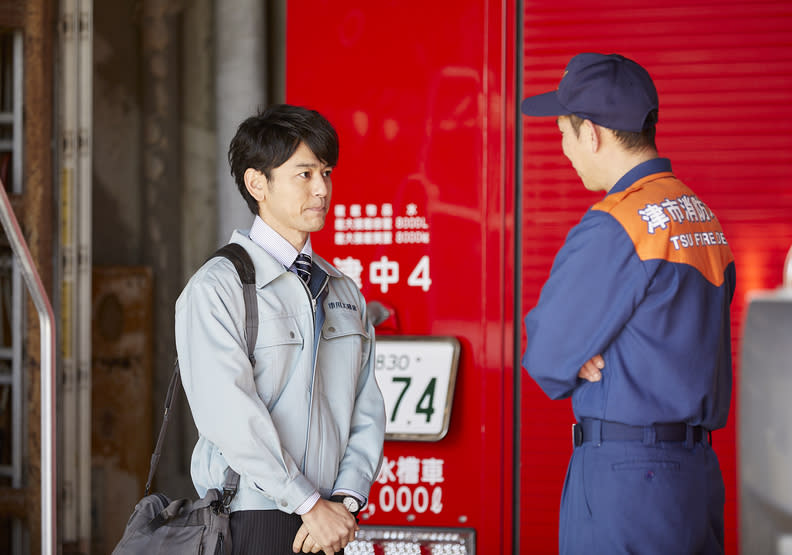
(417, 376)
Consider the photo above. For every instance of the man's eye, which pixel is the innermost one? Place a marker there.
(327, 173)
(305, 174)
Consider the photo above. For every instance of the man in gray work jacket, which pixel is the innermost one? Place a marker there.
(304, 428)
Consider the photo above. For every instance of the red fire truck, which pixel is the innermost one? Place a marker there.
(448, 209)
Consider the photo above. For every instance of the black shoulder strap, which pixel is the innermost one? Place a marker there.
(241, 260)
(247, 274)
(237, 254)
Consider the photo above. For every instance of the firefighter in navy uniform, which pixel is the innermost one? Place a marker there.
(633, 323)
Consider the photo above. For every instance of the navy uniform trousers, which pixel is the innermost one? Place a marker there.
(642, 498)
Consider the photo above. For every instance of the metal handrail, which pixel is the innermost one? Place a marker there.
(46, 323)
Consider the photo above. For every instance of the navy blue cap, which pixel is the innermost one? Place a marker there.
(608, 89)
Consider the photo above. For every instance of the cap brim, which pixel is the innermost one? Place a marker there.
(543, 105)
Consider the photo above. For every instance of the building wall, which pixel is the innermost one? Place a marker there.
(117, 134)
(153, 130)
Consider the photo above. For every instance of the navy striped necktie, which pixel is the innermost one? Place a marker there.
(302, 267)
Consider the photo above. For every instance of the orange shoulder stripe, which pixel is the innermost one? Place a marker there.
(665, 220)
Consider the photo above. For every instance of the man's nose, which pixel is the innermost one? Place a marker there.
(319, 185)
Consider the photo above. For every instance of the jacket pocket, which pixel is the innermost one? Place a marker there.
(275, 332)
(343, 323)
(344, 348)
(279, 346)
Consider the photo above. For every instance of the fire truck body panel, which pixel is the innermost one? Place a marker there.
(449, 207)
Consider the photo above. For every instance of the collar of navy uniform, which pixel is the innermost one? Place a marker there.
(276, 246)
(655, 165)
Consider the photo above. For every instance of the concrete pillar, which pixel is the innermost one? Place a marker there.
(241, 87)
(200, 162)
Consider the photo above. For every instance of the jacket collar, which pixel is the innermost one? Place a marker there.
(655, 165)
(267, 268)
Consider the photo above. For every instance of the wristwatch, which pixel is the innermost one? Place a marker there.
(352, 505)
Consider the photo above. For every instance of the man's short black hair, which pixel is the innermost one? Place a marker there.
(630, 140)
(267, 140)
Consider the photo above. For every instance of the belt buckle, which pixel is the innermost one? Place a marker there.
(577, 435)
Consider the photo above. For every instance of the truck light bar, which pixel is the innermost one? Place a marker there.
(412, 540)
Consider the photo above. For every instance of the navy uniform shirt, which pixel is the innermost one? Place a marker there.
(645, 279)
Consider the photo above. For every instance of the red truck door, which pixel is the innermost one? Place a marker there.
(722, 72)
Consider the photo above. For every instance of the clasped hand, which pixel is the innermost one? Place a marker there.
(591, 369)
(328, 527)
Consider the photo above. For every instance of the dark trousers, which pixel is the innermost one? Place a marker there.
(625, 497)
(264, 532)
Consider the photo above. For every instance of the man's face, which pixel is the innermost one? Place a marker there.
(297, 196)
(574, 147)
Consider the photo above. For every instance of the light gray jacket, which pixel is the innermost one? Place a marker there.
(308, 417)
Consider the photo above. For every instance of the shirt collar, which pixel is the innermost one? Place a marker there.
(276, 246)
(655, 165)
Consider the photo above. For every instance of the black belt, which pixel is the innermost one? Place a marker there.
(602, 430)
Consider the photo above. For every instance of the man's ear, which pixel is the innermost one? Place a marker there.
(593, 135)
(255, 183)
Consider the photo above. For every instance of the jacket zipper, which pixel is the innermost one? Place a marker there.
(313, 372)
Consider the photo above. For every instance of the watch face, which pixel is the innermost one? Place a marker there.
(351, 504)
